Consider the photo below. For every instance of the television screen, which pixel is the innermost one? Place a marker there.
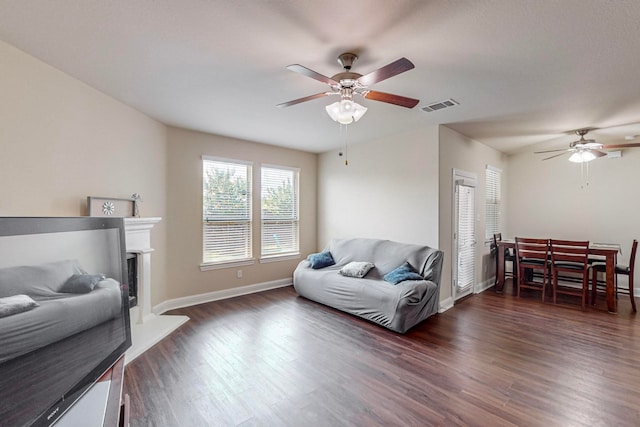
(64, 315)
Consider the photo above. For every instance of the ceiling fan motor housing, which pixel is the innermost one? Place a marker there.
(346, 60)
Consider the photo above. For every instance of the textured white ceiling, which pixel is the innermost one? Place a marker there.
(524, 72)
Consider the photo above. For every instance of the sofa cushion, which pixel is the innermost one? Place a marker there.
(81, 283)
(356, 269)
(402, 273)
(321, 260)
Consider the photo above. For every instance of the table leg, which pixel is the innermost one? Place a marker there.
(610, 278)
(500, 272)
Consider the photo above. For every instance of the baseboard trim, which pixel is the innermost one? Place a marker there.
(182, 302)
(445, 305)
(485, 285)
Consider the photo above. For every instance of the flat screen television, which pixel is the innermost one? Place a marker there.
(53, 352)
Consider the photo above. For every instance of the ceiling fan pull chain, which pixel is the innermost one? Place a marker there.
(346, 145)
(584, 175)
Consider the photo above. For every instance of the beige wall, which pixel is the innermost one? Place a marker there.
(184, 212)
(551, 199)
(61, 141)
(459, 152)
(389, 190)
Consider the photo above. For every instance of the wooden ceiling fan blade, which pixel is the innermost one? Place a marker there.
(635, 144)
(389, 70)
(306, 98)
(310, 73)
(557, 155)
(598, 153)
(390, 98)
(549, 151)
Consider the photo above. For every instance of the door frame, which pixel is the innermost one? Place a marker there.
(468, 179)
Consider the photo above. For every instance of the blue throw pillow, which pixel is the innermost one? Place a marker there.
(402, 273)
(321, 260)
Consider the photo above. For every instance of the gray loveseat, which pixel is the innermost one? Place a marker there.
(396, 307)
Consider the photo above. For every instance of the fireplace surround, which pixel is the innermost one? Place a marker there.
(147, 328)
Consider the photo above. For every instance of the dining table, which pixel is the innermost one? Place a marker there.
(607, 251)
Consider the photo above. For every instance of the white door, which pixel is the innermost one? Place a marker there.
(464, 234)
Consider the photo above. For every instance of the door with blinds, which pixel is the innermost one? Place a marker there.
(464, 234)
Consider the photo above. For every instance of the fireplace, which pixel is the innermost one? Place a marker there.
(132, 268)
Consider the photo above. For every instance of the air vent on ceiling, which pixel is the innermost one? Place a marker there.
(440, 105)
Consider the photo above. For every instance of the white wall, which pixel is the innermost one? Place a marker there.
(459, 152)
(61, 141)
(551, 199)
(389, 190)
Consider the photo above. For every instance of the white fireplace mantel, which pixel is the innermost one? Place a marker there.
(138, 241)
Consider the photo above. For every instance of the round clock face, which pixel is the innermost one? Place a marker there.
(108, 208)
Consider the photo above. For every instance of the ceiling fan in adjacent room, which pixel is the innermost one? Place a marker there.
(585, 150)
(347, 84)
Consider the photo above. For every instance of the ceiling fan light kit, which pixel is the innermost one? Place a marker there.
(346, 111)
(347, 84)
(582, 156)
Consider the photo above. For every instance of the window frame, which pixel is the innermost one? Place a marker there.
(284, 255)
(493, 205)
(247, 221)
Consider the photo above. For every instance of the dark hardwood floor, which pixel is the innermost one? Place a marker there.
(276, 359)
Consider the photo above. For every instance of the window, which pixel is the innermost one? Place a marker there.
(493, 191)
(226, 210)
(279, 211)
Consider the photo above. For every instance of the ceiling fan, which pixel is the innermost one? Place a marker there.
(585, 150)
(347, 84)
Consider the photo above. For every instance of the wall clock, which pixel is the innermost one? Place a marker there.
(109, 206)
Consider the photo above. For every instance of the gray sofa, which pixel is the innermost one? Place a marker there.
(57, 312)
(396, 307)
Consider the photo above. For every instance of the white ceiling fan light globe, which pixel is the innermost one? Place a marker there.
(582, 156)
(345, 111)
(333, 110)
(359, 111)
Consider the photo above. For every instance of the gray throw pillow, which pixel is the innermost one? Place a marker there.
(356, 269)
(81, 283)
(16, 304)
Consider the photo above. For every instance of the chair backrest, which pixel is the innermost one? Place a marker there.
(632, 258)
(497, 237)
(528, 248)
(572, 251)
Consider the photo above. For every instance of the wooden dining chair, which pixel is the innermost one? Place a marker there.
(509, 255)
(627, 270)
(532, 255)
(570, 256)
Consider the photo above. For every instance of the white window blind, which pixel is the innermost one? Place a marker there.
(226, 210)
(279, 207)
(465, 206)
(493, 177)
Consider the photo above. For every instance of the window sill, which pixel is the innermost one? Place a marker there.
(229, 264)
(277, 258)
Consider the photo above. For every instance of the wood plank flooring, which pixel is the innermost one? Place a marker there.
(277, 359)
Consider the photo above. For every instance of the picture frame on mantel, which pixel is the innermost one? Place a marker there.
(110, 206)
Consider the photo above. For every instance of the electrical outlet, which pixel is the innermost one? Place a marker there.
(239, 274)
